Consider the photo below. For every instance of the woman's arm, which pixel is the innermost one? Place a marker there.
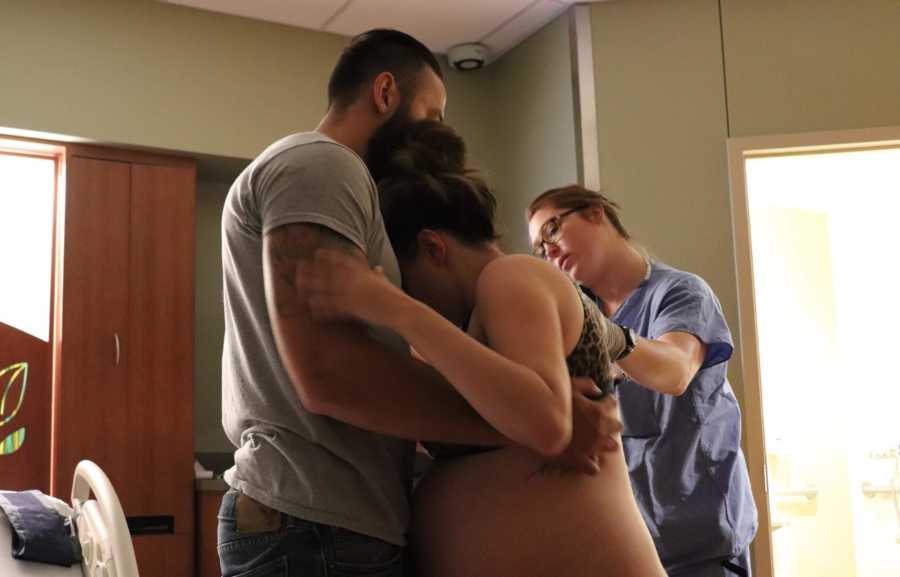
(667, 364)
(520, 385)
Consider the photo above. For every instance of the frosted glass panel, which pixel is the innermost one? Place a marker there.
(27, 186)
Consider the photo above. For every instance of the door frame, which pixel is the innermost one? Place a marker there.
(739, 150)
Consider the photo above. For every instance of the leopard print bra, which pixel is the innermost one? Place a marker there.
(590, 358)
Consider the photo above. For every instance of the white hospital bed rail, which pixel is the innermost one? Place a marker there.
(105, 541)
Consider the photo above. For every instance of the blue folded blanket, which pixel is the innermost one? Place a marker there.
(40, 533)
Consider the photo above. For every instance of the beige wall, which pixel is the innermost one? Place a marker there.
(151, 74)
(533, 132)
(810, 65)
(471, 108)
(209, 322)
(662, 76)
(662, 130)
(517, 116)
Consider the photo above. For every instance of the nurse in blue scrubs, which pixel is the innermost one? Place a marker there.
(682, 422)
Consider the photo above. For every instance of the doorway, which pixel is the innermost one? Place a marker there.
(817, 232)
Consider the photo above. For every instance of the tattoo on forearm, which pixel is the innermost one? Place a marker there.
(293, 243)
(287, 246)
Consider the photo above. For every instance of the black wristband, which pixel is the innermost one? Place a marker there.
(630, 338)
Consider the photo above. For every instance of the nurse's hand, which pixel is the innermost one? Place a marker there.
(596, 426)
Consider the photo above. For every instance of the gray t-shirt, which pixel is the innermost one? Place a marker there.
(306, 465)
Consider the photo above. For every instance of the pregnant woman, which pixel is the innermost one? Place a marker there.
(507, 331)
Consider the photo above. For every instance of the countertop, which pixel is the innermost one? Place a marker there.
(210, 485)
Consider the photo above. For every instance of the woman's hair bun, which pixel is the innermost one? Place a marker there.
(423, 183)
(424, 146)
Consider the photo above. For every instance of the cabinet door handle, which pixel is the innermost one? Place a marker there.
(118, 347)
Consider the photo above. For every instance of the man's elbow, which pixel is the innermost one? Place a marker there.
(314, 384)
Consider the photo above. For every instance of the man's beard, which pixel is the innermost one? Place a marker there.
(386, 139)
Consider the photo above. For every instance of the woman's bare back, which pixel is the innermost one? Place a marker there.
(498, 513)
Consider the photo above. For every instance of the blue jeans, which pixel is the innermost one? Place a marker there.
(256, 541)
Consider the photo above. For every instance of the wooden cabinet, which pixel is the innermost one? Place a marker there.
(124, 393)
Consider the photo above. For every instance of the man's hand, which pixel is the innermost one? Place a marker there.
(595, 430)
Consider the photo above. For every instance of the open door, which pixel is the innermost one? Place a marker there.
(817, 236)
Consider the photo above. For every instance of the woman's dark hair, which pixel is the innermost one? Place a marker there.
(373, 52)
(423, 183)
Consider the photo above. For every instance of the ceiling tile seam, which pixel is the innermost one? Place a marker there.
(509, 20)
(330, 20)
(531, 30)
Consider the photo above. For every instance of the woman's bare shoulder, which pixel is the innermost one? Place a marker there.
(523, 265)
(531, 288)
(510, 270)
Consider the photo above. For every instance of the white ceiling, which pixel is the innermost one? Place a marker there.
(440, 24)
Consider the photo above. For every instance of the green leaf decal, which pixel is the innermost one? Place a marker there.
(12, 442)
(12, 375)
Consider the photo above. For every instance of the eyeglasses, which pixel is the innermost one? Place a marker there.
(550, 232)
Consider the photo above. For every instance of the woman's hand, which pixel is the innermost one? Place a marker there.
(337, 286)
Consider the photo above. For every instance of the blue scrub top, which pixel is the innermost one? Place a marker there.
(684, 453)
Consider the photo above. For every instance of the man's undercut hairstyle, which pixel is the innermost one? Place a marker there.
(373, 52)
